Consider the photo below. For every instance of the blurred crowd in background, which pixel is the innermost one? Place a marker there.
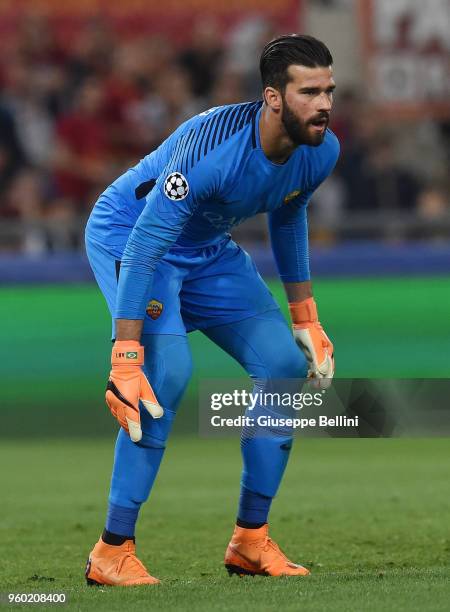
(73, 117)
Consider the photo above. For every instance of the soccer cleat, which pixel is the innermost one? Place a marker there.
(116, 566)
(251, 552)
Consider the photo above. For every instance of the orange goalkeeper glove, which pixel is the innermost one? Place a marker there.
(127, 385)
(313, 341)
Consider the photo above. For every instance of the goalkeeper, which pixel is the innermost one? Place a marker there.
(158, 243)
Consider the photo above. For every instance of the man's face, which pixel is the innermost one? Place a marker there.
(307, 103)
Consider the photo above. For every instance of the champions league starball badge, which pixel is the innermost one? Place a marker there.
(176, 186)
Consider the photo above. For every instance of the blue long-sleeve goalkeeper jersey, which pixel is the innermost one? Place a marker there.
(207, 177)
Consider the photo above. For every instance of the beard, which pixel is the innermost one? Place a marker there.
(299, 131)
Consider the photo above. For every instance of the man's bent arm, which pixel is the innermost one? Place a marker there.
(158, 227)
(289, 235)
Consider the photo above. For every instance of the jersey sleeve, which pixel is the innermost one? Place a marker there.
(178, 191)
(288, 228)
(288, 225)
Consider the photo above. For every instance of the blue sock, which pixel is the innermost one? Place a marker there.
(168, 367)
(121, 520)
(253, 508)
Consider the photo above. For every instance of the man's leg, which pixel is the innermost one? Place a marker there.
(168, 365)
(265, 347)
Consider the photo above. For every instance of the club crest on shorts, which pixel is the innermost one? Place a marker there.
(176, 186)
(154, 309)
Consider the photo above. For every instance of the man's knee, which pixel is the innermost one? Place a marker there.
(155, 432)
(168, 366)
(287, 362)
(178, 376)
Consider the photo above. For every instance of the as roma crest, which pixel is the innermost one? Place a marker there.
(154, 309)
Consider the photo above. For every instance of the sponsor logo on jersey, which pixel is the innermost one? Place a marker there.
(291, 196)
(222, 222)
(154, 309)
(176, 186)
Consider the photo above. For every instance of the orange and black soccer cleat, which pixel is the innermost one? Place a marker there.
(251, 552)
(116, 566)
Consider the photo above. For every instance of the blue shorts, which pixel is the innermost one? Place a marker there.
(193, 288)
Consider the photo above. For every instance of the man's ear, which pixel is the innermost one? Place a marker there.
(272, 97)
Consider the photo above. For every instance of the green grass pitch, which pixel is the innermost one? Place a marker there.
(370, 517)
